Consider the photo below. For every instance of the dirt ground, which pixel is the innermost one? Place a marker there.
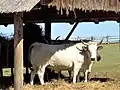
(61, 85)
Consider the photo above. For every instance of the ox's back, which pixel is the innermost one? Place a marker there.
(61, 56)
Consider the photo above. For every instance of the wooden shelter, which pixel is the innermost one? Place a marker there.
(60, 10)
(18, 12)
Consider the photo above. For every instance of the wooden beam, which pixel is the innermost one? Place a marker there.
(71, 31)
(18, 51)
(48, 31)
(1, 73)
(39, 16)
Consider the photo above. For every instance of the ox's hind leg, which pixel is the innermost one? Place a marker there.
(70, 75)
(40, 73)
(33, 73)
(59, 74)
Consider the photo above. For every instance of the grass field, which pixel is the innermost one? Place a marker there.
(105, 74)
(110, 59)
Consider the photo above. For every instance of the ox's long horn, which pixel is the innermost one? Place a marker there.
(84, 42)
(57, 38)
(78, 49)
(100, 42)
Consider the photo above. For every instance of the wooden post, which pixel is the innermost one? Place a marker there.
(12, 71)
(18, 51)
(1, 72)
(107, 38)
(1, 66)
(48, 31)
(1, 77)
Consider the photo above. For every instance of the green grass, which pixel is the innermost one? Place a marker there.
(6, 72)
(110, 61)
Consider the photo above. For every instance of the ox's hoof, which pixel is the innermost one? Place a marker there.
(42, 83)
(74, 82)
(85, 81)
(31, 83)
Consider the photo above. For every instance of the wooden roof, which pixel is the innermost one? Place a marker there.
(84, 5)
(11, 6)
(60, 10)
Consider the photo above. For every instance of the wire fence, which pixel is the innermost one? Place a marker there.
(106, 39)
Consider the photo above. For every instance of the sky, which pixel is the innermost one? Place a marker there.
(84, 29)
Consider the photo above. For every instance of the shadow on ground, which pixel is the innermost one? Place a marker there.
(81, 79)
(101, 79)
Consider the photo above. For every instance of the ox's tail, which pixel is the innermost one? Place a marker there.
(30, 49)
(29, 53)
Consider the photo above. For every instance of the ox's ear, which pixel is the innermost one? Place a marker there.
(99, 47)
(84, 48)
(79, 49)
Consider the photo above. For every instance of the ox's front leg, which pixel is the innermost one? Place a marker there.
(90, 66)
(89, 69)
(76, 69)
(86, 74)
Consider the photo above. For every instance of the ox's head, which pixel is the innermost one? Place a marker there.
(93, 48)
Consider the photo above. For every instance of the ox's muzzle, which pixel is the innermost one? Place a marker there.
(98, 58)
(92, 59)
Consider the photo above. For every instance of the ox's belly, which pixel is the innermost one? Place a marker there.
(64, 61)
(60, 67)
(60, 64)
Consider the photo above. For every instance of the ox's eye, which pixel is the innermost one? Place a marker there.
(85, 48)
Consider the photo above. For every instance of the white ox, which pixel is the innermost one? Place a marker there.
(62, 57)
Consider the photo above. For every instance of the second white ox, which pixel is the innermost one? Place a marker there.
(71, 57)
